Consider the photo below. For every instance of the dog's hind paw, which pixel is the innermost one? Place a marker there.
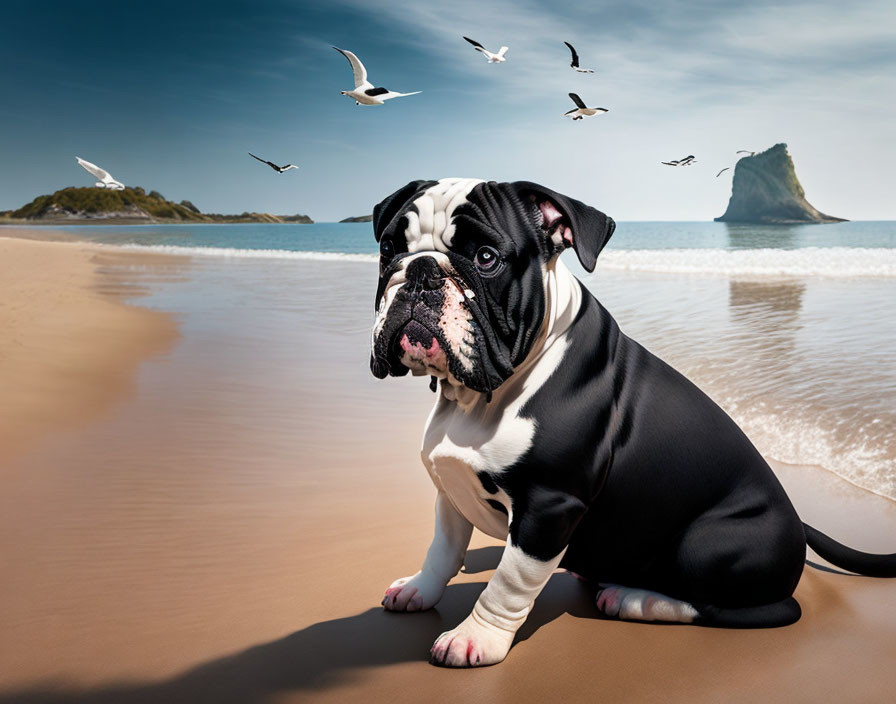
(415, 593)
(472, 644)
(631, 604)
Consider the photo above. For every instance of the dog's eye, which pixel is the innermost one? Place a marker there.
(487, 259)
(386, 249)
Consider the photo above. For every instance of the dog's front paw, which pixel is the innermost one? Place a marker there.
(472, 644)
(415, 593)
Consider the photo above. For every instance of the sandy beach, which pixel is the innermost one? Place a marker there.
(205, 493)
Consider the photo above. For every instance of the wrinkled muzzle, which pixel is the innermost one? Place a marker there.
(428, 323)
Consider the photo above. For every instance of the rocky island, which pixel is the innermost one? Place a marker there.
(765, 190)
(359, 218)
(72, 206)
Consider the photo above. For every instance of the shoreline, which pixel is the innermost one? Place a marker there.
(69, 349)
(159, 337)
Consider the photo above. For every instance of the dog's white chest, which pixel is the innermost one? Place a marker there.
(459, 445)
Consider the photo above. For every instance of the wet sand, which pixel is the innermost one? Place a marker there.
(222, 527)
(68, 349)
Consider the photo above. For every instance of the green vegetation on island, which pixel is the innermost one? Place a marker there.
(98, 205)
(359, 218)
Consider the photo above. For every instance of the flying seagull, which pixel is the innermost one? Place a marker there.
(575, 60)
(722, 171)
(744, 151)
(278, 169)
(365, 93)
(687, 161)
(582, 110)
(492, 58)
(105, 178)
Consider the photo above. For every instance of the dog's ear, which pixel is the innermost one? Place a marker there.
(386, 210)
(568, 222)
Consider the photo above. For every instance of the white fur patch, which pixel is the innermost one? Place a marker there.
(631, 604)
(456, 323)
(431, 227)
(443, 560)
(466, 435)
(485, 636)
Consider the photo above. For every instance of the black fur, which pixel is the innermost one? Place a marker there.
(635, 471)
(507, 306)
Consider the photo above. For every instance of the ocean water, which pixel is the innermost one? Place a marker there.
(791, 329)
(357, 238)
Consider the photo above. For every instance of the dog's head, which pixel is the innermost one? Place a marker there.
(462, 264)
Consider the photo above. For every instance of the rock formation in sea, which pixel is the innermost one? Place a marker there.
(765, 189)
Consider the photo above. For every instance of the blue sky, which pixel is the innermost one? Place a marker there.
(171, 96)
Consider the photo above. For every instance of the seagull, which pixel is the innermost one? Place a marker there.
(687, 161)
(278, 169)
(105, 178)
(582, 110)
(722, 171)
(492, 58)
(575, 60)
(365, 93)
(744, 151)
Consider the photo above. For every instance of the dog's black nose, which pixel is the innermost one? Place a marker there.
(426, 273)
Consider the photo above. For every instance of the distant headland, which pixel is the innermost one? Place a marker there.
(72, 206)
(766, 190)
(359, 218)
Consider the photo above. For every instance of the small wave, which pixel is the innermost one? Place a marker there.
(836, 262)
(839, 262)
(234, 253)
(868, 466)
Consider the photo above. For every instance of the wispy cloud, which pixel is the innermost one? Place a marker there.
(655, 50)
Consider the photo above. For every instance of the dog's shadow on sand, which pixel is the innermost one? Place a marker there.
(326, 653)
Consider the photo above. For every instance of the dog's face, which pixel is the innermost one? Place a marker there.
(462, 263)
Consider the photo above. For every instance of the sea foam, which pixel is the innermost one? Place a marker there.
(838, 262)
(834, 262)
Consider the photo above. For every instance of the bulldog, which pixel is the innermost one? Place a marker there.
(554, 431)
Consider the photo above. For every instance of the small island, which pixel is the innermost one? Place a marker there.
(72, 206)
(359, 218)
(765, 190)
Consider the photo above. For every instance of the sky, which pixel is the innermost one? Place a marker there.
(172, 95)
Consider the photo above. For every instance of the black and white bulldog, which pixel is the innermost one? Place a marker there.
(556, 432)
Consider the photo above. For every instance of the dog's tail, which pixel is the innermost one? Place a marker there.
(864, 563)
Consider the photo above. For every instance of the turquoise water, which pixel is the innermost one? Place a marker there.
(357, 238)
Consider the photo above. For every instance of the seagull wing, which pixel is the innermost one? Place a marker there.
(575, 56)
(263, 161)
(722, 171)
(744, 151)
(360, 73)
(101, 174)
(502, 51)
(476, 44)
(670, 163)
(288, 167)
(577, 100)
